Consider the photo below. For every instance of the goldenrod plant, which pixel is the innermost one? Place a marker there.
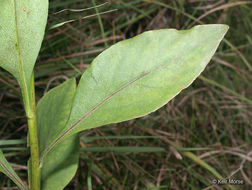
(128, 80)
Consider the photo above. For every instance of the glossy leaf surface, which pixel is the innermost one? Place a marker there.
(22, 26)
(6, 168)
(137, 76)
(53, 111)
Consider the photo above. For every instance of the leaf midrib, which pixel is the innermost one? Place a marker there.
(22, 77)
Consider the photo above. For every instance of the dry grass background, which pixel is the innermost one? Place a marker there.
(202, 133)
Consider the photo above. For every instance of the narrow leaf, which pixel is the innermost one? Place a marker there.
(6, 168)
(22, 26)
(137, 76)
(132, 149)
(61, 163)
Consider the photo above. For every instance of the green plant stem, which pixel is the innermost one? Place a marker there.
(33, 140)
(30, 109)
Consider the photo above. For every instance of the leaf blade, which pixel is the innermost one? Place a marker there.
(53, 110)
(124, 81)
(143, 73)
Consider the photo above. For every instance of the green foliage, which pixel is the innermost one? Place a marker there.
(128, 80)
(22, 26)
(53, 111)
(139, 75)
(6, 168)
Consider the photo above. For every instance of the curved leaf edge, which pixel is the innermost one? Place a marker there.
(65, 133)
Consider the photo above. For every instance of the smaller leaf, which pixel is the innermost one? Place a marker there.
(53, 110)
(6, 168)
(60, 165)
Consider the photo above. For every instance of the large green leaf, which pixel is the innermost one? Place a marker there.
(6, 168)
(53, 111)
(22, 26)
(137, 76)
